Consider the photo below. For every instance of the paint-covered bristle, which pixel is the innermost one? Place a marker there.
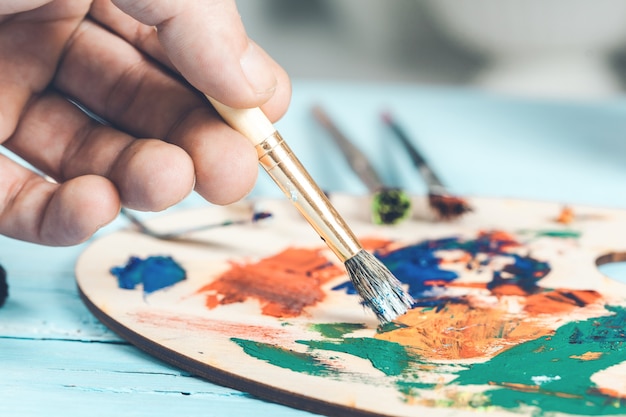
(448, 207)
(260, 215)
(380, 290)
(445, 205)
(390, 206)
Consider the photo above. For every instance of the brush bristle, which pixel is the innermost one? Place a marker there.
(379, 289)
(448, 207)
(390, 206)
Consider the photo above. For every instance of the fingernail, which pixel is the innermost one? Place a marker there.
(257, 69)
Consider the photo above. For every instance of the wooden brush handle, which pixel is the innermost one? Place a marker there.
(252, 123)
(285, 169)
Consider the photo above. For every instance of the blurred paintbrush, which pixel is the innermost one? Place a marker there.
(389, 205)
(181, 232)
(446, 205)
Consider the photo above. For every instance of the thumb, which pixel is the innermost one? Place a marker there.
(11, 6)
(206, 41)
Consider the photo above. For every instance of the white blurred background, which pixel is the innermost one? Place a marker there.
(574, 49)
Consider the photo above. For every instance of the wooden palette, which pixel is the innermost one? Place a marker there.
(512, 313)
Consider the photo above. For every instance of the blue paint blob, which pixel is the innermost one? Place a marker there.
(419, 267)
(415, 265)
(525, 272)
(260, 216)
(154, 273)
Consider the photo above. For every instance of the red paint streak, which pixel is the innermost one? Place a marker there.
(284, 284)
(534, 388)
(478, 285)
(164, 320)
(375, 243)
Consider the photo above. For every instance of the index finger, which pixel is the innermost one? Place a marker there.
(206, 41)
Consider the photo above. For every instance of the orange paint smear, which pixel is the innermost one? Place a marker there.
(380, 246)
(559, 301)
(566, 216)
(459, 331)
(608, 392)
(466, 331)
(284, 284)
(505, 239)
(374, 243)
(509, 289)
(588, 356)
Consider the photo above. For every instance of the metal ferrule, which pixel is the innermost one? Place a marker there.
(286, 170)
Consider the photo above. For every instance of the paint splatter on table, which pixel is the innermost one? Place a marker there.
(511, 315)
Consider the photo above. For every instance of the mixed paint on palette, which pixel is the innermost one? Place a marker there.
(484, 333)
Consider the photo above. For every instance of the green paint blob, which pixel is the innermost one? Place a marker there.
(557, 233)
(391, 326)
(409, 387)
(556, 361)
(389, 357)
(548, 374)
(390, 206)
(336, 330)
(285, 358)
(573, 234)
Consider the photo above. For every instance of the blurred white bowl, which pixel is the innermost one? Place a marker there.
(540, 47)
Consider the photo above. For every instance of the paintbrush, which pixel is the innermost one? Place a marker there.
(389, 205)
(446, 205)
(179, 233)
(378, 288)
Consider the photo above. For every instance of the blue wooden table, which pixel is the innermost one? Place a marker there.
(58, 360)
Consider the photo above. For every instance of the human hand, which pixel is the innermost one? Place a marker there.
(161, 140)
